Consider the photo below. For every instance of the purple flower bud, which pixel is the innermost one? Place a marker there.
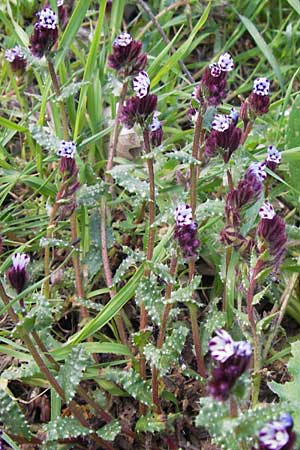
(277, 435)
(232, 360)
(138, 110)
(271, 228)
(16, 58)
(45, 33)
(186, 231)
(17, 275)
(224, 137)
(126, 57)
(273, 158)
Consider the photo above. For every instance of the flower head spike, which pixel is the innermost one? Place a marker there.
(259, 100)
(224, 137)
(66, 152)
(45, 33)
(212, 87)
(273, 158)
(156, 132)
(225, 62)
(277, 434)
(271, 228)
(17, 274)
(16, 58)
(138, 110)
(186, 231)
(232, 360)
(126, 57)
(141, 84)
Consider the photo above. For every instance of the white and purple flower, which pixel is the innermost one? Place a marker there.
(141, 84)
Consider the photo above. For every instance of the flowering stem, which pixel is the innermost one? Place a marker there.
(162, 331)
(116, 131)
(246, 132)
(107, 271)
(75, 258)
(57, 91)
(256, 344)
(151, 203)
(193, 201)
(193, 167)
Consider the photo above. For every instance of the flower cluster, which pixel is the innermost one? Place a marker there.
(16, 58)
(186, 231)
(258, 102)
(271, 229)
(247, 191)
(156, 132)
(225, 136)
(71, 184)
(277, 435)
(212, 87)
(140, 108)
(126, 58)
(45, 33)
(17, 275)
(232, 357)
(273, 158)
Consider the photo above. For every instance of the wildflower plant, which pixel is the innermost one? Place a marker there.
(163, 252)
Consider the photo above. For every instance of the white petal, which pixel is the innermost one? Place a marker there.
(221, 122)
(267, 211)
(222, 346)
(123, 40)
(67, 149)
(225, 62)
(273, 154)
(261, 86)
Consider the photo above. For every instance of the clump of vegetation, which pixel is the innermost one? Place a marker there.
(149, 225)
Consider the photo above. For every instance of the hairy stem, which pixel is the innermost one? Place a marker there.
(116, 131)
(198, 136)
(162, 332)
(107, 271)
(256, 343)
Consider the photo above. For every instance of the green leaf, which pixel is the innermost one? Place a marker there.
(71, 372)
(149, 293)
(71, 89)
(44, 137)
(165, 357)
(110, 431)
(264, 47)
(289, 391)
(295, 4)
(150, 423)
(64, 428)
(183, 50)
(293, 142)
(132, 383)
(11, 415)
